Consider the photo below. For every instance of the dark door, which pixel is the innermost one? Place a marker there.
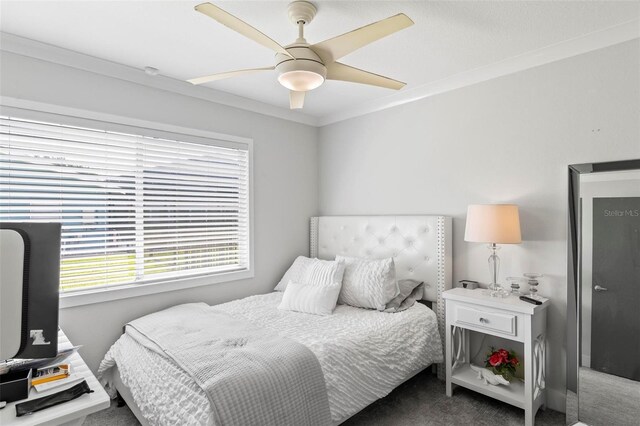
(615, 317)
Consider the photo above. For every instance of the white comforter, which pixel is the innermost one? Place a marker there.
(364, 355)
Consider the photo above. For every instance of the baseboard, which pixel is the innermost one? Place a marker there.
(557, 400)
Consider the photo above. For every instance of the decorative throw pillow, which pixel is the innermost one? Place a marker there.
(323, 273)
(410, 291)
(310, 299)
(305, 270)
(295, 272)
(368, 283)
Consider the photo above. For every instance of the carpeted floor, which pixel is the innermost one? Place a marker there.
(420, 401)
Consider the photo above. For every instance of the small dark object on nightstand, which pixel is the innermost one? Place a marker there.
(530, 300)
(15, 386)
(52, 400)
(471, 285)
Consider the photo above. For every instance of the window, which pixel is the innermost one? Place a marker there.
(134, 208)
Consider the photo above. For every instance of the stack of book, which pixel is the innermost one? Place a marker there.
(49, 374)
(52, 376)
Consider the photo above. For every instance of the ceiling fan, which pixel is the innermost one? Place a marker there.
(302, 66)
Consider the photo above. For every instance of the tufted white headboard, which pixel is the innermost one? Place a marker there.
(420, 245)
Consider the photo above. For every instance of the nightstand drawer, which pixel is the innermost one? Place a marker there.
(500, 322)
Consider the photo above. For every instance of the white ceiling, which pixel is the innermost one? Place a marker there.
(449, 37)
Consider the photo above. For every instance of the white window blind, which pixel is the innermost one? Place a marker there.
(133, 208)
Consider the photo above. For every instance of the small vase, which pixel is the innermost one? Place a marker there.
(506, 374)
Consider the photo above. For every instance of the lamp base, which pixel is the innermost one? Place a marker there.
(495, 289)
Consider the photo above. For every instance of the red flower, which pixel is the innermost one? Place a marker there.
(503, 354)
(514, 361)
(495, 359)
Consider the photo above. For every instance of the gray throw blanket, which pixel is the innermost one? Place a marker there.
(251, 375)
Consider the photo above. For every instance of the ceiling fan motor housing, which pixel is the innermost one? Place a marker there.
(304, 73)
(301, 11)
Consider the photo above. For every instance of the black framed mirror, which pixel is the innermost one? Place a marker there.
(603, 293)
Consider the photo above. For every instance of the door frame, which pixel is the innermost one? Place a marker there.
(574, 263)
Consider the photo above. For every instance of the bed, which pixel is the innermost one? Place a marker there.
(363, 354)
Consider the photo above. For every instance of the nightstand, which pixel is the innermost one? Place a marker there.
(68, 413)
(508, 318)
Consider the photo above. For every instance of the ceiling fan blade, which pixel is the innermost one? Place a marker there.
(228, 74)
(340, 71)
(238, 25)
(337, 47)
(296, 99)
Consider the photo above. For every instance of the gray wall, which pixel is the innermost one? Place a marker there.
(506, 140)
(285, 183)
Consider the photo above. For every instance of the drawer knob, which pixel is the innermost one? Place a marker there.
(484, 320)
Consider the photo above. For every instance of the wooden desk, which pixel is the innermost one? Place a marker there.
(68, 413)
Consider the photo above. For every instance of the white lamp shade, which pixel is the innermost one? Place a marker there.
(493, 223)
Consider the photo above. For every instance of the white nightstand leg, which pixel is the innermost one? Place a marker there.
(466, 339)
(448, 357)
(529, 362)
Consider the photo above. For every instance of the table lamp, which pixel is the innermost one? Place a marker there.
(493, 224)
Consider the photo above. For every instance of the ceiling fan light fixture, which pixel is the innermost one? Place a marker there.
(300, 80)
(303, 67)
(305, 73)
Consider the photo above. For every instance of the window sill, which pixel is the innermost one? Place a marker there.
(99, 295)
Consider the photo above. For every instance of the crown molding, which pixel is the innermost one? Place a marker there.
(47, 52)
(576, 46)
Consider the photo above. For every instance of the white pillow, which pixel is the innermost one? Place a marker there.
(368, 283)
(295, 272)
(310, 299)
(323, 272)
(312, 271)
